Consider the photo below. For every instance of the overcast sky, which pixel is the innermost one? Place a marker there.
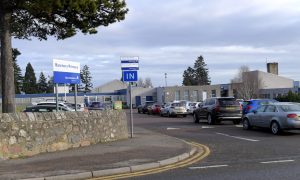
(169, 35)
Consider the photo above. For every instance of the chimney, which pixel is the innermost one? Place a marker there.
(272, 68)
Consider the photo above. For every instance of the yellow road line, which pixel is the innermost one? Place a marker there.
(194, 158)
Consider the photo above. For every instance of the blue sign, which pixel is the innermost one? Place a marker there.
(66, 77)
(66, 72)
(130, 76)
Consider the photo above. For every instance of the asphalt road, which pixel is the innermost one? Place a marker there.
(235, 153)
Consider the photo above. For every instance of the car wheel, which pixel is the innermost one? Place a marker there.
(184, 115)
(196, 119)
(139, 111)
(168, 114)
(161, 114)
(275, 128)
(210, 119)
(246, 124)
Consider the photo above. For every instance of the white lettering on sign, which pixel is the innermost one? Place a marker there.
(66, 66)
(129, 58)
(130, 76)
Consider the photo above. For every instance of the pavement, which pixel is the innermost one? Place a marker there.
(146, 150)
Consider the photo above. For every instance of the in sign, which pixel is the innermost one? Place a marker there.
(130, 76)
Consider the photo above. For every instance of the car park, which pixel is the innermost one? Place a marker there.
(174, 109)
(278, 116)
(218, 109)
(253, 104)
(154, 109)
(46, 108)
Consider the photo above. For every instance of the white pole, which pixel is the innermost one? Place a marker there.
(65, 92)
(131, 115)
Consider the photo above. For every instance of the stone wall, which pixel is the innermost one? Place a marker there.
(27, 134)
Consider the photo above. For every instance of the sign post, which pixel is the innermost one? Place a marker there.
(66, 72)
(129, 66)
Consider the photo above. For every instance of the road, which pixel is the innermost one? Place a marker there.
(235, 153)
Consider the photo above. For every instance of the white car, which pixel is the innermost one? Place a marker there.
(194, 107)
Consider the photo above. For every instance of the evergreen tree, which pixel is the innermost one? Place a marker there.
(201, 72)
(188, 77)
(29, 84)
(197, 75)
(17, 72)
(40, 18)
(50, 85)
(42, 84)
(86, 79)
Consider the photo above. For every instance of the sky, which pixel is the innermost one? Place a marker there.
(169, 35)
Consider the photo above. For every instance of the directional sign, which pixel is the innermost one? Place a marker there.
(130, 76)
(130, 63)
(66, 72)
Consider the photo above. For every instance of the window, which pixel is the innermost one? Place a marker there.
(186, 95)
(212, 101)
(213, 93)
(270, 108)
(195, 95)
(261, 108)
(177, 95)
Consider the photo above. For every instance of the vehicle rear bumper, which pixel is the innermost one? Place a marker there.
(293, 124)
(229, 116)
(179, 113)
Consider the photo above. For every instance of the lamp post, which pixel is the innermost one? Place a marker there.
(166, 79)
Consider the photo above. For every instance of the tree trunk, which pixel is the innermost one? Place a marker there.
(7, 71)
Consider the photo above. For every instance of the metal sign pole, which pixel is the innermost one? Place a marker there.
(56, 92)
(131, 115)
(75, 96)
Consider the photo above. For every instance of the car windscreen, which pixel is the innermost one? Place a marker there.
(228, 102)
(177, 104)
(290, 108)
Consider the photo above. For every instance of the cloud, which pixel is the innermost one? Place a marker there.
(169, 35)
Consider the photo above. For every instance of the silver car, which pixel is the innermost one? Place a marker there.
(277, 116)
(173, 109)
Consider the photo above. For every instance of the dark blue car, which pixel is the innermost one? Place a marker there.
(253, 104)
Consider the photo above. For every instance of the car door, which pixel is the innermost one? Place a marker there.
(266, 117)
(255, 116)
(203, 108)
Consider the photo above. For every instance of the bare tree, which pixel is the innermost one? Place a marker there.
(140, 82)
(148, 83)
(246, 83)
(145, 84)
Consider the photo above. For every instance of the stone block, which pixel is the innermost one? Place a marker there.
(85, 143)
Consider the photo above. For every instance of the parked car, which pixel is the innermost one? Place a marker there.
(174, 109)
(193, 107)
(185, 103)
(253, 104)
(96, 105)
(144, 108)
(277, 116)
(154, 109)
(46, 108)
(80, 107)
(53, 103)
(218, 109)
